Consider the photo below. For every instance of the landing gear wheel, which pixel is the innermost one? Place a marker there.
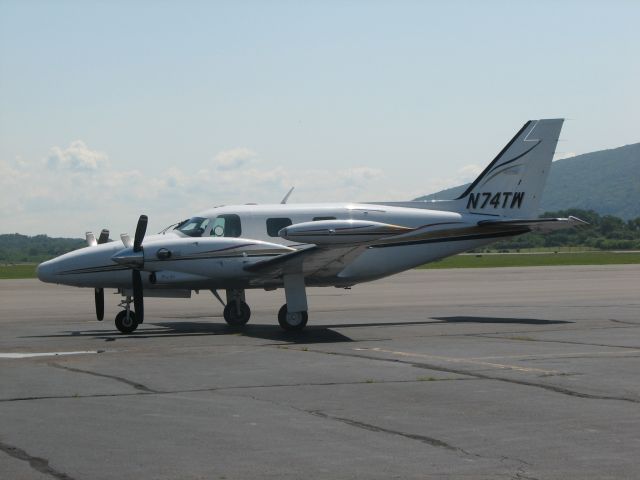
(237, 315)
(292, 322)
(126, 323)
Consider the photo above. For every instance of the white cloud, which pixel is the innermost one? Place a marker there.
(234, 158)
(469, 172)
(76, 157)
(81, 190)
(358, 176)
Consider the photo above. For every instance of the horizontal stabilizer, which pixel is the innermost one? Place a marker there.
(538, 224)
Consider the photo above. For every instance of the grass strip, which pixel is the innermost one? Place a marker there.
(22, 270)
(535, 260)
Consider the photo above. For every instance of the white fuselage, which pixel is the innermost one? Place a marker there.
(92, 267)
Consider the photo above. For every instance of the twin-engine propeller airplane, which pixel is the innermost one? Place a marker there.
(235, 248)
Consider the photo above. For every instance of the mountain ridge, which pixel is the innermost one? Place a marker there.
(605, 181)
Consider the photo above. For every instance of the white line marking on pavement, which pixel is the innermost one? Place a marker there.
(45, 354)
(461, 360)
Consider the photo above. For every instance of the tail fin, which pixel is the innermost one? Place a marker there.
(512, 184)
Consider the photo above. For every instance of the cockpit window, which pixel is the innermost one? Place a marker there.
(194, 227)
(227, 225)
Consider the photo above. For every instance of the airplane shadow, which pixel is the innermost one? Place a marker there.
(520, 321)
(311, 334)
(441, 320)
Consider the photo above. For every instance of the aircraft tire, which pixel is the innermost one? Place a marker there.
(124, 324)
(231, 314)
(294, 322)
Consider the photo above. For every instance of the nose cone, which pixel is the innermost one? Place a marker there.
(45, 272)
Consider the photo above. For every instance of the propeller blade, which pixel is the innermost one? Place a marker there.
(126, 240)
(138, 295)
(91, 239)
(99, 294)
(104, 236)
(141, 229)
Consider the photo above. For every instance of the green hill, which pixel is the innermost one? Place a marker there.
(16, 248)
(607, 182)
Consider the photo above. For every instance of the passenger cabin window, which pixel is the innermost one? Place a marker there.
(274, 225)
(194, 227)
(227, 225)
(317, 219)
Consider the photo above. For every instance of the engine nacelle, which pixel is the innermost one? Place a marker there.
(335, 232)
(178, 254)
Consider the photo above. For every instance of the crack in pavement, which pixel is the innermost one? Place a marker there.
(229, 388)
(438, 368)
(431, 441)
(434, 442)
(136, 385)
(541, 340)
(434, 367)
(39, 464)
(636, 324)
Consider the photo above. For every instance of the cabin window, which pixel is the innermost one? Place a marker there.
(227, 225)
(317, 219)
(274, 225)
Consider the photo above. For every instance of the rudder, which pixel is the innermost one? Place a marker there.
(512, 184)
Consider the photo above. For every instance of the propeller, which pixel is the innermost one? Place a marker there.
(133, 257)
(104, 236)
(136, 277)
(98, 292)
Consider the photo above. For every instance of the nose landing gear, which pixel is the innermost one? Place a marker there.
(126, 320)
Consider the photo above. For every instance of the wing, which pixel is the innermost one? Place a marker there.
(333, 245)
(315, 262)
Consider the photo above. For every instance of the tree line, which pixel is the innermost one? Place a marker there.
(604, 232)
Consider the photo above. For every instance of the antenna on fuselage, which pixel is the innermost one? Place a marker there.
(286, 197)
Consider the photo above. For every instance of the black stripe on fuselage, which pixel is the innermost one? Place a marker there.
(101, 269)
(116, 268)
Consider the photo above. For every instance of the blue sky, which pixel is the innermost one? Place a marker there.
(112, 109)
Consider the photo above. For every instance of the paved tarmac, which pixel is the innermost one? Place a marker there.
(523, 373)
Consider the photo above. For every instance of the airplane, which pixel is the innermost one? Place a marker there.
(295, 246)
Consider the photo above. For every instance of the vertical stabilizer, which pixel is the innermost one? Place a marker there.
(512, 184)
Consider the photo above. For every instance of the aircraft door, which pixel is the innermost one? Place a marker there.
(226, 225)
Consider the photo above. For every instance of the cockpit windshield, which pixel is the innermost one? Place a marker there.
(194, 227)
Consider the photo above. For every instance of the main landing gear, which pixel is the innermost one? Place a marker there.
(126, 320)
(292, 317)
(236, 311)
(292, 321)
